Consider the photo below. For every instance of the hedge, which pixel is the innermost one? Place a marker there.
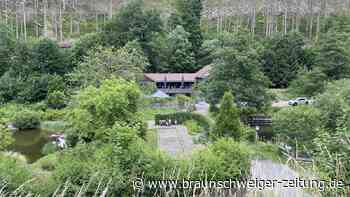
(182, 117)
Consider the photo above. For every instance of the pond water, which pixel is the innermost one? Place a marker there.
(30, 143)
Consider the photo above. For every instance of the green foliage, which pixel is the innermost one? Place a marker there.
(183, 101)
(249, 134)
(85, 43)
(26, 119)
(301, 123)
(227, 123)
(333, 102)
(190, 12)
(308, 83)
(54, 114)
(13, 173)
(332, 58)
(29, 77)
(193, 127)
(5, 137)
(7, 45)
(96, 109)
(132, 23)
(241, 41)
(265, 151)
(56, 83)
(105, 63)
(48, 59)
(223, 160)
(239, 73)
(49, 148)
(181, 58)
(333, 153)
(283, 57)
(56, 100)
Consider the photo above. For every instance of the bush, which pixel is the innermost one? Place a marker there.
(223, 160)
(54, 114)
(27, 120)
(47, 163)
(13, 173)
(56, 100)
(301, 123)
(193, 127)
(249, 134)
(49, 148)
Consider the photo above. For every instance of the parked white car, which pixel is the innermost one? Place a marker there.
(299, 101)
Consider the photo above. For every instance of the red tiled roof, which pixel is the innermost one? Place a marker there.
(171, 77)
(178, 77)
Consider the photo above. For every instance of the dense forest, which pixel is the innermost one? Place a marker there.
(72, 88)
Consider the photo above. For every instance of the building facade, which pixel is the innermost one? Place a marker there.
(177, 83)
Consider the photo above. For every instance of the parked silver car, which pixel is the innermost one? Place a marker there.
(299, 101)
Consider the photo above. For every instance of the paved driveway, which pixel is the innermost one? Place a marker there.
(175, 140)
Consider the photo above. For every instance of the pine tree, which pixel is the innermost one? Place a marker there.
(228, 122)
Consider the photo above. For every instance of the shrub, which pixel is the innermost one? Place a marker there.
(223, 160)
(54, 114)
(47, 163)
(249, 134)
(27, 120)
(49, 148)
(13, 172)
(193, 127)
(182, 101)
(5, 137)
(301, 123)
(56, 100)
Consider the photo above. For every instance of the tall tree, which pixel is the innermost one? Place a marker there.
(181, 57)
(132, 22)
(238, 72)
(190, 12)
(333, 58)
(283, 57)
(48, 57)
(7, 45)
(105, 63)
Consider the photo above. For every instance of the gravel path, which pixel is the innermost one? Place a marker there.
(175, 140)
(280, 104)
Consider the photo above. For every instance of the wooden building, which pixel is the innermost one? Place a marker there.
(177, 83)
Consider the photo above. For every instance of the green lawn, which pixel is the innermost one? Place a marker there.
(264, 150)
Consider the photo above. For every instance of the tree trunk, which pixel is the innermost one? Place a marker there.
(61, 20)
(24, 20)
(45, 7)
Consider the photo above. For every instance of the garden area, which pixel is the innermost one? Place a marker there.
(79, 119)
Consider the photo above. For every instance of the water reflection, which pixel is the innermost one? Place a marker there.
(30, 143)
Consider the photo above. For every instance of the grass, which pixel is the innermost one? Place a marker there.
(264, 150)
(149, 113)
(152, 138)
(53, 126)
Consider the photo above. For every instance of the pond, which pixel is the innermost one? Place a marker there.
(30, 143)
